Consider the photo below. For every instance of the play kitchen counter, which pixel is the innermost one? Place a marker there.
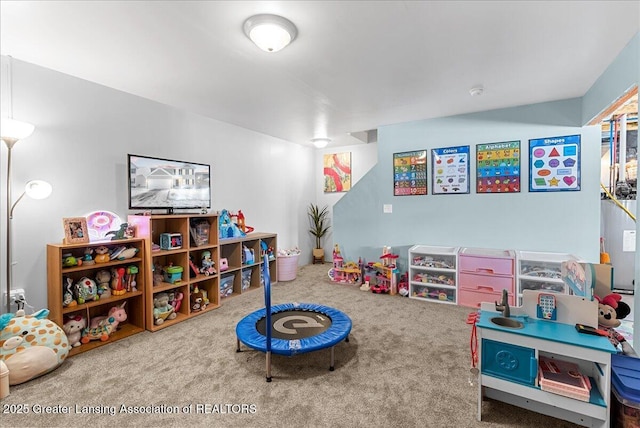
(509, 359)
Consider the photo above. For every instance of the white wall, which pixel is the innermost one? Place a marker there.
(83, 134)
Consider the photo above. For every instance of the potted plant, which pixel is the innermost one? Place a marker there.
(318, 227)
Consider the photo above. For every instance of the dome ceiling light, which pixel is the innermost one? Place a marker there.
(270, 32)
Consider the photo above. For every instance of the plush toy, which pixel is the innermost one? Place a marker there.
(611, 309)
(162, 310)
(32, 345)
(103, 278)
(102, 254)
(68, 298)
(73, 327)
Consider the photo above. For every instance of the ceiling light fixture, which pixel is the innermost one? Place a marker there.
(476, 91)
(320, 143)
(270, 32)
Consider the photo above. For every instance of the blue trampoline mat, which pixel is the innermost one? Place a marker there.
(304, 316)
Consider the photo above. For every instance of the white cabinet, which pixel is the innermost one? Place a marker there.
(541, 272)
(433, 273)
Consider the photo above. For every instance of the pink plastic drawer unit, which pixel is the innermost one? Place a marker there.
(473, 298)
(486, 283)
(486, 265)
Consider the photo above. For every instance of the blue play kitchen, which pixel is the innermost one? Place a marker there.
(537, 356)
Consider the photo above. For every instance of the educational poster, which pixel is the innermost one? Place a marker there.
(450, 170)
(554, 164)
(337, 172)
(498, 167)
(410, 173)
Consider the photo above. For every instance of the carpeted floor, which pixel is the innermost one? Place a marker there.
(406, 365)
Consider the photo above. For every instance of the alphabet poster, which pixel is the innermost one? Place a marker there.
(410, 173)
(554, 164)
(450, 170)
(498, 167)
(337, 172)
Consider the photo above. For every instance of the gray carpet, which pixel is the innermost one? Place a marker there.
(406, 365)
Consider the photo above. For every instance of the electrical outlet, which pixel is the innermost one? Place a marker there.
(16, 295)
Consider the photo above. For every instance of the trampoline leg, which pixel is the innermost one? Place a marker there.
(238, 345)
(347, 339)
(268, 366)
(331, 368)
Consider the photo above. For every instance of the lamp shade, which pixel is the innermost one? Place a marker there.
(270, 32)
(38, 189)
(12, 130)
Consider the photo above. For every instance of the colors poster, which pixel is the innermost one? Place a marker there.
(450, 170)
(337, 172)
(554, 164)
(410, 173)
(498, 167)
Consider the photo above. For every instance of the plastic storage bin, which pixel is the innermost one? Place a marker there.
(246, 279)
(625, 388)
(226, 285)
(287, 267)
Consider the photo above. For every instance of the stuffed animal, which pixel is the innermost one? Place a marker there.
(611, 309)
(103, 278)
(32, 345)
(73, 327)
(102, 254)
(162, 310)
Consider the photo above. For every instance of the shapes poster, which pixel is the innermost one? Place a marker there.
(498, 167)
(554, 164)
(450, 170)
(337, 172)
(410, 173)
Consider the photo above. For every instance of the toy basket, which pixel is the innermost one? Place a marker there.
(287, 267)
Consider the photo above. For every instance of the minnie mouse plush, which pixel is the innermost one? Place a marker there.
(611, 309)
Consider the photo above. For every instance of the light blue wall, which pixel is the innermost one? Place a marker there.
(619, 77)
(551, 221)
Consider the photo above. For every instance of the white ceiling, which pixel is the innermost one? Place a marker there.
(356, 65)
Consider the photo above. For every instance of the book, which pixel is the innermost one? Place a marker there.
(563, 378)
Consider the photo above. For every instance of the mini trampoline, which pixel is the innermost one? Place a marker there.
(296, 328)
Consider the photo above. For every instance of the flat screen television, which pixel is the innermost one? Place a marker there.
(167, 184)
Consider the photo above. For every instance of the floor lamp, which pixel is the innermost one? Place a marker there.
(11, 131)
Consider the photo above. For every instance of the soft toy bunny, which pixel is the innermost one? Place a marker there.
(611, 309)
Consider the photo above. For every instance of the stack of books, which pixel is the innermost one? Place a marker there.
(563, 378)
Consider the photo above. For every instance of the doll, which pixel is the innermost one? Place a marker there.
(611, 309)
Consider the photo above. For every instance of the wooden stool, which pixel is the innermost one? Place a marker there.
(319, 260)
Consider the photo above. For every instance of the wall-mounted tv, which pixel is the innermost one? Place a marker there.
(167, 184)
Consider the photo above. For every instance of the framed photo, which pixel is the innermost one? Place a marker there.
(410, 173)
(337, 172)
(554, 164)
(75, 230)
(450, 170)
(498, 167)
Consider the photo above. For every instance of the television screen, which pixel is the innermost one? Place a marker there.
(156, 183)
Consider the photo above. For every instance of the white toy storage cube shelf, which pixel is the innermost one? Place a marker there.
(541, 271)
(433, 274)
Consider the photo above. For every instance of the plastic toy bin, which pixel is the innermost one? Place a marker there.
(625, 389)
(287, 267)
(226, 285)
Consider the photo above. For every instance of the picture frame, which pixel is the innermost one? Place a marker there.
(450, 170)
(498, 167)
(75, 230)
(554, 164)
(410, 173)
